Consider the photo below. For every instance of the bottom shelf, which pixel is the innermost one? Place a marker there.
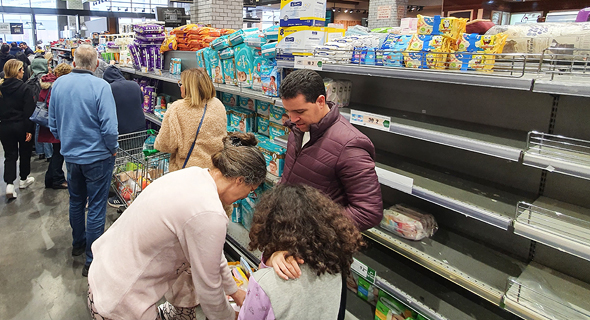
(542, 293)
(357, 309)
(238, 238)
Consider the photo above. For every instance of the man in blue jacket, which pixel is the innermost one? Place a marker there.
(82, 114)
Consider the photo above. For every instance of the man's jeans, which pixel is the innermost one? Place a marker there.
(42, 147)
(88, 182)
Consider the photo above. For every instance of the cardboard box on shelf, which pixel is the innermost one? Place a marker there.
(303, 13)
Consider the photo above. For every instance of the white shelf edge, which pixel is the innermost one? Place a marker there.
(245, 92)
(553, 240)
(447, 271)
(561, 87)
(151, 117)
(536, 160)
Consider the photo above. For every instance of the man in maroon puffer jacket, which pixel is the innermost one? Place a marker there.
(328, 153)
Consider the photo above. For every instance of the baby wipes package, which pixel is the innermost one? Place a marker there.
(276, 130)
(262, 124)
(243, 120)
(272, 33)
(269, 50)
(270, 80)
(274, 156)
(229, 99)
(263, 108)
(255, 40)
(239, 36)
(216, 67)
(278, 115)
(247, 103)
(220, 43)
(303, 13)
(408, 223)
(244, 60)
(450, 26)
(301, 39)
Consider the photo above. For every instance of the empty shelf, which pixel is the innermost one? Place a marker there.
(558, 154)
(542, 293)
(462, 78)
(450, 190)
(473, 266)
(152, 117)
(245, 92)
(557, 224)
(424, 292)
(492, 141)
(241, 239)
(577, 86)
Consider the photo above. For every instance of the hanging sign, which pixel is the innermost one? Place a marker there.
(383, 12)
(4, 28)
(16, 28)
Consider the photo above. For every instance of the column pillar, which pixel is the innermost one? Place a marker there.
(397, 11)
(218, 13)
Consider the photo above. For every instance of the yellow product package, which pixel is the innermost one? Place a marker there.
(450, 26)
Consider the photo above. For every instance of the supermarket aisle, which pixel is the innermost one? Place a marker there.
(39, 278)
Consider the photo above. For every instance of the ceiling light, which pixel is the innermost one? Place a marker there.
(333, 9)
(41, 26)
(345, 10)
(339, 9)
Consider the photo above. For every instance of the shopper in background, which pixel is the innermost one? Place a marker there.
(326, 152)
(26, 49)
(129, 99)
(49, 57)
(175, 248)
(102, 66)
(54, 177)
(14, 49)
(83, 116)
(182, 119)
(39, 49)
(318, 235)
(39, 68)
(26, 63)
(4, 55)
(16, 130)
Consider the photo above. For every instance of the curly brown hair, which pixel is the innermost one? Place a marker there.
(308, 225)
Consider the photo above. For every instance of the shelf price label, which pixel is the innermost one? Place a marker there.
(370, 120)
(363, 271)
(308, 63)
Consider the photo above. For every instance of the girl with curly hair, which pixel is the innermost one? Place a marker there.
(313, 231)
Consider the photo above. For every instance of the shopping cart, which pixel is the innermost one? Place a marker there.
(137, 164)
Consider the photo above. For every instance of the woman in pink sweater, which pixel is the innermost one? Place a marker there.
(175, 248)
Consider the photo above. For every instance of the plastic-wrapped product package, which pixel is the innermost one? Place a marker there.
(408, 223)
(357, 30)
(157, 56)
(149, 94)
(148, 28)
(272, 33)
(269, 50)
(239, 36)
(220, 43)
(259, 63)
(216, 67)
(255, 40)
(244, 57)
(331, 90)
(270, 80)
(134, 50)
(151, 37)
(170, 43)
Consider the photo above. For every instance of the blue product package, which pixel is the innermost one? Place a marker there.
(216, 67)
(247, 103)
(220, 43)
(272, 33)
(259, 62)
(236, 213)
(276, 130)
(262, 124)
(244, 58)
(255, 40)
(278, 115)
(239, 36)
(247, 211)
(261, 138)
(227, 53)
(269, 50)
(270, 80)
(243, 119)
(392, 53)
(274, 156)
(229, 71)
(368, 56)
(263, 107)
(200, 60)
(207, 61)
(229, 99)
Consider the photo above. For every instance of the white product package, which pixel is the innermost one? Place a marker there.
(301, 38)
(302, 13)
(408, 223)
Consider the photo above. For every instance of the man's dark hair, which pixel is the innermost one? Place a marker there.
(23, 43)
(308, 225)
(14, 44)
(303, 81)
(5, 48)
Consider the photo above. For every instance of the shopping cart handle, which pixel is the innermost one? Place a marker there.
(151, 131)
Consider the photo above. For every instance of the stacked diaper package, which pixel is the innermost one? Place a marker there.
(145, 49)
(439, 43)
(148, 88)
(244, 58)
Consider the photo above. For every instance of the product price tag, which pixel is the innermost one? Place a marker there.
(363, 271)
(394, 180)
(144, 69)
(308, 63)
(371, 120)
(158, 72)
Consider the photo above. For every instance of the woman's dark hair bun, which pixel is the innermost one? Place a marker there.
(237, 139)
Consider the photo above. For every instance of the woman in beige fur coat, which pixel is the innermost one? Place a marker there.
(182, 120)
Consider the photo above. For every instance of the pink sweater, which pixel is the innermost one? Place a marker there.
(174, 230)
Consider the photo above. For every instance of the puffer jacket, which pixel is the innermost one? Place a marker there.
(46, 82)
(339, 161)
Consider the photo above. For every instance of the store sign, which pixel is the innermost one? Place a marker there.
(4, 28)
(370, 120)
(362, 270)
(16, 28)
(308, 63)
(383, 12)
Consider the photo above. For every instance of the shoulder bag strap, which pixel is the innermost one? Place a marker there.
(193, 146)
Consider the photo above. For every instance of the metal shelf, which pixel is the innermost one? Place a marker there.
(239, 237)
(244, 92)
(473, 266)
(572, 87)
(462, 78)
(540, 293)
(272, 179)
(559, 154)
(487, 140)
(434, 298)
(151, 117)
(450, 190)
(559, 225)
